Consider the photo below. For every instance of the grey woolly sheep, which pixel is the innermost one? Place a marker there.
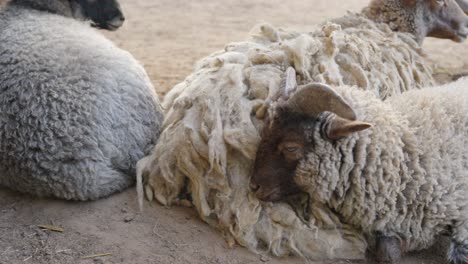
(76, 112)
(405, 178)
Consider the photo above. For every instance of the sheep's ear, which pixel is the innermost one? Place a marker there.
(338, 127)
(314, 98)
(288, 85)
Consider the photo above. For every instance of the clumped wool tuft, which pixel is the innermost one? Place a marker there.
(76, 112)
(214, 118)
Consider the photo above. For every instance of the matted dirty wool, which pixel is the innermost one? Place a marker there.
(214, 118)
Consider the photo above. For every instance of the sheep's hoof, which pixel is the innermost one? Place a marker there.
(458, 253)
(387, 250)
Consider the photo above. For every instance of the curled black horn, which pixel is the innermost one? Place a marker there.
(314, 98)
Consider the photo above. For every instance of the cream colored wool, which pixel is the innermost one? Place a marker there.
(211, 131)
(357, 51)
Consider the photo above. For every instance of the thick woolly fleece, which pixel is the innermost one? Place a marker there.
(353, 50)
(214, 118)
(76, 112)
(407, 176)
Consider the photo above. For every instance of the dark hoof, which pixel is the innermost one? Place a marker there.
(388, 250)
(458, 253)
(458, 76)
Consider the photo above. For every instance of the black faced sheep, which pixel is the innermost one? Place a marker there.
(76, 112)
(404, 180)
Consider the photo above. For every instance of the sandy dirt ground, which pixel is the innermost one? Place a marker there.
(168, 37)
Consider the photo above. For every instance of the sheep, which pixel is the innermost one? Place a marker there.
(402, 180)
(436, 18)
(214, 118)
(76, 112)
(358, 50)
(104, 14)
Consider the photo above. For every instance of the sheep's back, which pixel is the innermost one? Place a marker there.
(437, 117)
(357, 51)
(435, 142)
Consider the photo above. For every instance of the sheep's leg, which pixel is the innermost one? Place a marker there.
(388, 249)
(458, 251)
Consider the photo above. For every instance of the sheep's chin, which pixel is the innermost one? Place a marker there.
(115, 23)
(461, 34)
(273, 196)
(459, 37)
(108, 26)
(112, 27)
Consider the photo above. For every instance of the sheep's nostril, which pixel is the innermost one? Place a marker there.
(253, 186)
(122, 18)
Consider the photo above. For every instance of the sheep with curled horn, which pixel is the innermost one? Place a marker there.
(402, 182)
(215, 117)
(76, 112)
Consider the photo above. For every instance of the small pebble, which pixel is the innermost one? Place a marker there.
(128, 219)
(264, 259)
(98, 261)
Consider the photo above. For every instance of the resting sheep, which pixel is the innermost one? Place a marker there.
(214, 118)
(76, 112)
(355, 50)
(405, 178)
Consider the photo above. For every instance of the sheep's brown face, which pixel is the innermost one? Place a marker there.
(105, 14)
(289, 136)
(280, 151)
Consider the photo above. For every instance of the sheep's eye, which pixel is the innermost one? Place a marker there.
(291, 149)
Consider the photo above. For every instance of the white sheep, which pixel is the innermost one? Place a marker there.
(407, 177)
(214, 118)
(76, 112)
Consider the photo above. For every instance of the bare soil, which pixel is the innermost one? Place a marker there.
(168, 37)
